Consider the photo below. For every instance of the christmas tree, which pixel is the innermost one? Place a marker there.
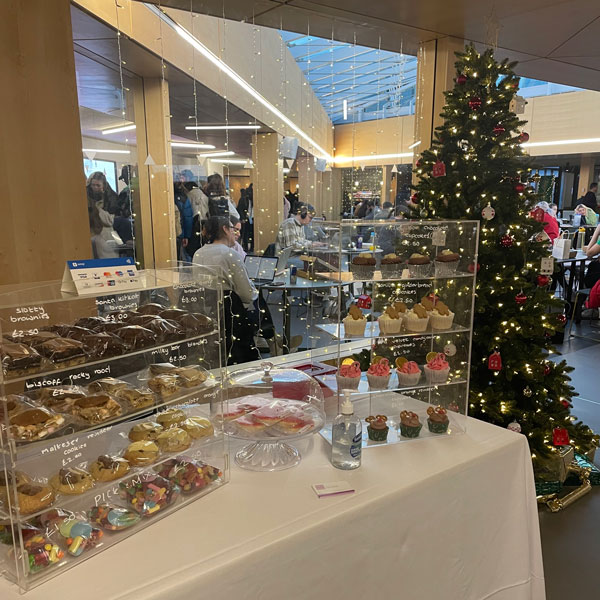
(476, 169)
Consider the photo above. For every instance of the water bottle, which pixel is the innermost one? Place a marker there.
(372, 242)
(359, 243)
(293, 275)
(346, 438)
(581, 238)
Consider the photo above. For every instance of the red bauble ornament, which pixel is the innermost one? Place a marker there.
(520, 187)
(506, 241)
(524, 137)
(461, 79)
(475, 103)
(364, 301)
(561, 319)
(565, 403)
(418, 164)
(520, 298)
(415, 198)
(560, 436)
(547, 369)
(498, 130)
(439, 169)
(472, 266)
(495, 361)
(542, 280)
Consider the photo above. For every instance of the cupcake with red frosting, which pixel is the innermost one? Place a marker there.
(437, 419)
(379, 374)
(348, 376)
(409, 373)
(437, 369)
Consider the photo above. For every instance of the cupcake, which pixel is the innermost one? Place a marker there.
(446, 263)
(417, 319)
(441, 317)
(408, 372)
(379, 374)
(401, 309)
(410, 426)
(377, 428)
(437, 419)
(429, 302)
(355, 322)
(348, 376)
(437, 368)
(391, 266)
(419, 265)
(363, 266)
(390, 322)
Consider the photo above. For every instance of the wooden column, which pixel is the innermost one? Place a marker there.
(307, 179)
(158, 204)
(267, 177)
(586, 174)
(386, 185)
(435, 74)
(44, 207)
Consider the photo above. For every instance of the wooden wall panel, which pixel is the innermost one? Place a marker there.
(44, 219)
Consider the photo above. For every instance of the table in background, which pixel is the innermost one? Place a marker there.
(447, 519)
(576, 267)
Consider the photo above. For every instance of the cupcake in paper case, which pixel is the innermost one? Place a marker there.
(410, 426)
(437, 368)
(419, 265)
(441, 317)
(390, 322)
(446, 263)
(401, 309)
(391, 266)
(437, 419)
(348, 375)
(363, 266)
(377, 428)
(417, 319)
(355, 322)
(379, 374)
(408, 372)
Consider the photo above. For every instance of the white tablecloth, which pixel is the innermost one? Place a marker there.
(451, 519)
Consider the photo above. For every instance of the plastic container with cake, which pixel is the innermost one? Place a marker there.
(354, 322)
(363, 266)
(446, 263)
(391, 266)
(419, 265)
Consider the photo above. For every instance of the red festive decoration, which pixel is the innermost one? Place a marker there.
(542, 280)
(495, 361)
(498, 130)
(415, 198)
(524, 137)
(547, 369)
(565, 403)
(561, 319)
(520, 187)
(506, 241)
(520, 298)
(537, 214)
(475, 103)
(439, 169)
(471, 267)
(560, 436)
(461, 79)
(363, 301)
(418, 164)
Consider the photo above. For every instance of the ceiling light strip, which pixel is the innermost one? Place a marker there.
(106, 150)
(213, 58)
(220, 127)
(192, 145)
(118, 129)
(349, 159)
(215, 154)
(561, 142)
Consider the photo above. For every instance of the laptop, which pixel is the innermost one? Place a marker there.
(282, 260)
(261, 269)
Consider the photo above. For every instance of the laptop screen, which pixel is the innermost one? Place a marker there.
(259, 267)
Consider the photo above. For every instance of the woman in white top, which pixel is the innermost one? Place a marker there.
(219, 253)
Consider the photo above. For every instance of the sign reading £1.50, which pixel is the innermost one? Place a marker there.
(99, 276)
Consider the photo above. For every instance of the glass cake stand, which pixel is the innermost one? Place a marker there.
(270, 409)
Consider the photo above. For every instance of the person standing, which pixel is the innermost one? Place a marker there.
(186, 217)
(590, 199)
(246, 211)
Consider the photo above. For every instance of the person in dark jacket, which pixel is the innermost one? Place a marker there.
(590, 199)
(245, 209)
(186, 218)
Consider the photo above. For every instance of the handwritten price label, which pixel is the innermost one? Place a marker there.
(20, 333)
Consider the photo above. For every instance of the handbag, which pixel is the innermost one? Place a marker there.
(561, 247)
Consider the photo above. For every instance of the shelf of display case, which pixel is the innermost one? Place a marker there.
(81, 367)
(363, 387)
(109, 538)
(391, 407)
(208, 389)
(348, 277)
(372, 331)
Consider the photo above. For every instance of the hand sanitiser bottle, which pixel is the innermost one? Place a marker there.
(346, 438)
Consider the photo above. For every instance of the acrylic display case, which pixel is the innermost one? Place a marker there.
(401, 329)
(109, 409)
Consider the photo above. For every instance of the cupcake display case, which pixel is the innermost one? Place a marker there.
(402, 333)
(110, 415)
(268, 408)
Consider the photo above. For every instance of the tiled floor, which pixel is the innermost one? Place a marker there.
(570, 540)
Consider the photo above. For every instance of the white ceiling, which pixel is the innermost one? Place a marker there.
(554, 40)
